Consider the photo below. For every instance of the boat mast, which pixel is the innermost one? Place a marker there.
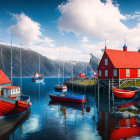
(59, 68)
(63, 66)
(11, 54)
(21, 68)
(39, 63)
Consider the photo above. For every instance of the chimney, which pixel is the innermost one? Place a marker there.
(124, 47)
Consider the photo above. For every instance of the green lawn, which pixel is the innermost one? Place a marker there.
(84, 82)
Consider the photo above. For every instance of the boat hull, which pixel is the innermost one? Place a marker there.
(123, 93)
(37, 80)
(60, 88)
(63, 99)
(8, 109)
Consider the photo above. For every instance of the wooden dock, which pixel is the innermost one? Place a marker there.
(81, 83)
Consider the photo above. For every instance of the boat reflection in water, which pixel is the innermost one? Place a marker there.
(10, 124)
(111, 128)
(68, 104)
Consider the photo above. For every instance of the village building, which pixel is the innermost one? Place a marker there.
(119, 65)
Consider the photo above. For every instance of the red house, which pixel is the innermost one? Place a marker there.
(119, 64)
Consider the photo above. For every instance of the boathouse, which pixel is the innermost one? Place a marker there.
(119, 65)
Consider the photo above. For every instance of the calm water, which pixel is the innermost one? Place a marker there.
(51, 121)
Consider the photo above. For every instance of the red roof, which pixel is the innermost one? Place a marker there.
(124, 59)
(10, 87)
(3, 78)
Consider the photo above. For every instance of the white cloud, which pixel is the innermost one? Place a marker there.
(62, 52)
(99, 21)
(29, 32)
(135, 16)
(91, 17)
(85, 40)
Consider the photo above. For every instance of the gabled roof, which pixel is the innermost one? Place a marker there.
(10, 87)
(124, 59)
(3, 78)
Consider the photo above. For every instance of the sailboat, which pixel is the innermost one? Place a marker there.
(58, 87)
(12, 102)
(38, 77)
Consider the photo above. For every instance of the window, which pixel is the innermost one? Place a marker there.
(106, 61)
(106, 73)
(114, 72)
(127, 72)
(138, 72)
(100, 73)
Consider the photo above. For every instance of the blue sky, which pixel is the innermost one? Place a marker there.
(71, 29)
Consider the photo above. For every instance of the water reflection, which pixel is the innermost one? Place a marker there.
(65, 121)
(9, 125)
(111, 128)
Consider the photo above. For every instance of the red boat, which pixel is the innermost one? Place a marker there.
(67, 98)
(12, 103)
(60, 88)
(120, 93)
(37, 78)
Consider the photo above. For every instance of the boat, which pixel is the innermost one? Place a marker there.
(12, 101)
(120, 93)
(68, 98)
(59, 87)
(37, 76)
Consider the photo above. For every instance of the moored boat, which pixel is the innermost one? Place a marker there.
(68, 98)
(120, 93)
(12, 102)
(60, 88)
(37, 78)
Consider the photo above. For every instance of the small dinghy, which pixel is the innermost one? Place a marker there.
(120, 93)
(68, 98)
(60, 88)
(37, 78)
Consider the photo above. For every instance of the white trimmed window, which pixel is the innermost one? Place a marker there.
(106, 73)
(106, 61)
(127, 72)
(138, 72)
(100, 73)
(114, 72)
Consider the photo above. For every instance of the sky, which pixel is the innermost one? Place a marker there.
(70, 29)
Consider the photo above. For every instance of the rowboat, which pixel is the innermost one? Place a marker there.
(120, 93)
(60, 88)
(68, 98)
(37, 78)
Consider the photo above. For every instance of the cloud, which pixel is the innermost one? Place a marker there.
(62, 52)
(98, 20)
(135, 16)
(85, 40)
(29, 32)
(91, 17)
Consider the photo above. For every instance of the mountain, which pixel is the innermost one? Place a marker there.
(94, 62)
(30, 63)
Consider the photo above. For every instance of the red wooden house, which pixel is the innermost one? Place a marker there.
(119, 64)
